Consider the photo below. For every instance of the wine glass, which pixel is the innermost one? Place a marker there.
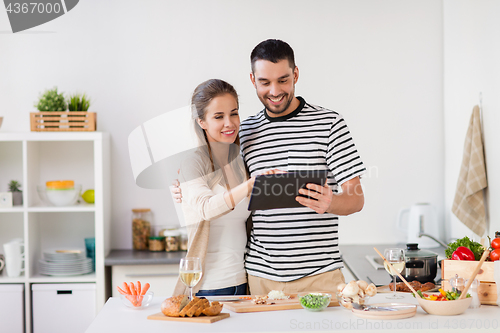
(396, 257)
(190, 273)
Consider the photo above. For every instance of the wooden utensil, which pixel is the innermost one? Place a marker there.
(401, 277)
(486, 253)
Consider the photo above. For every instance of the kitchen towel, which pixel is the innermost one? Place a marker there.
(468, 204)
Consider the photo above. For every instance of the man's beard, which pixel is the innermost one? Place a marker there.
(272, 109)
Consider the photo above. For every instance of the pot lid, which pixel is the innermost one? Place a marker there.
(413, 251)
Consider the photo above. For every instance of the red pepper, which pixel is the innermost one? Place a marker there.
(462, 253)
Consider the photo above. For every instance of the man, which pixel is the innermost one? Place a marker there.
(296, 249)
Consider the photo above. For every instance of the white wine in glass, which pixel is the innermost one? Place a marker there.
(396, 257)
(190, 273)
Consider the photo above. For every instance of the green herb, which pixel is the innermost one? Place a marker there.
(78, 102)
(51, 100)
(475, 247)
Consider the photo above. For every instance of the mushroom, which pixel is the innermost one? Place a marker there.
(351, 289)
(340, 287)
(371, 290)
(362, 284)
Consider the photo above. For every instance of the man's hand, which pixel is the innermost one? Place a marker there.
(176, 191)
(350, 201)
(322, 194)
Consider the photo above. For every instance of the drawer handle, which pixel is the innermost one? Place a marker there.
(146, 275)
(65, 292)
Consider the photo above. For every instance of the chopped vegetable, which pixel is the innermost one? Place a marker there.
(315, 301)
(475, 247)
(134, 294)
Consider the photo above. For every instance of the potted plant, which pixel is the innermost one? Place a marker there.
(53, 115)
(77, 102)
(17, 194)
(51, 100)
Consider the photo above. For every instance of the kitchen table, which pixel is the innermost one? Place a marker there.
(115, 317)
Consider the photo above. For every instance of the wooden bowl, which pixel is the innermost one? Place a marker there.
(445, 308)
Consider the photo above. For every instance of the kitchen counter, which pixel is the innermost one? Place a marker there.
(116, 317)
(134, 257)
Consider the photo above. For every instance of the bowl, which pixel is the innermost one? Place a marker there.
(314, 301)
(140, 302)
(445, 308)
(59, 197)
(346, 302)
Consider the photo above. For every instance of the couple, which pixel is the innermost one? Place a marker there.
(290, 249)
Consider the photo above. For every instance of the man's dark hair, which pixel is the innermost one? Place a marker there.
(272, 50)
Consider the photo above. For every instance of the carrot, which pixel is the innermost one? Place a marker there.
(121, 291)
(126, 288)
(138, 287)
(143, 292)
(132, 288)
(145, 289)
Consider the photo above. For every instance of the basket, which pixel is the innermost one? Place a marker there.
(74, 121)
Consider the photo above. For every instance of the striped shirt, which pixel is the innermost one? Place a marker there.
(290, 243)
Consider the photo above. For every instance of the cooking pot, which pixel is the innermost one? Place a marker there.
(420, 265)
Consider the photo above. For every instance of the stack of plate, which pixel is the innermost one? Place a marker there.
(65, 262)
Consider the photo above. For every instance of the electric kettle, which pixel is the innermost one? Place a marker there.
(421, 224)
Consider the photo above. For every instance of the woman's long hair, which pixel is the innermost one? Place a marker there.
(202, 96)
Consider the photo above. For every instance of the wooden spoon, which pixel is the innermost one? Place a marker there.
(402, 278)
(486, 253)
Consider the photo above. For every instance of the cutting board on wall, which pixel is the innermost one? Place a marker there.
(272, 305)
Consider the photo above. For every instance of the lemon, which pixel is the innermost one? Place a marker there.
(88, 196)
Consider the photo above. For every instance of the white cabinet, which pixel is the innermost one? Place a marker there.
(12, 308)
(62, 308)
(34, 158)
(162, 278)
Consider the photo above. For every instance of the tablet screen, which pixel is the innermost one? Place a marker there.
(280, 190)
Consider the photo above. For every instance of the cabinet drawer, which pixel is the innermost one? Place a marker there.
(12, 308)
(162, 278)
(62, 308)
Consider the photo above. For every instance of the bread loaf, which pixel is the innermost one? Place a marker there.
(180, 306)
(214, 309)
(173, 306)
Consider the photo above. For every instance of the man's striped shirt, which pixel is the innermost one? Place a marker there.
(290, 243)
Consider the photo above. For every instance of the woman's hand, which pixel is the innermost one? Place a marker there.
(176, 191)
(273, 172)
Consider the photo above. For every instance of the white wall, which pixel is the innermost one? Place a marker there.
(471, 66)
(379, 63)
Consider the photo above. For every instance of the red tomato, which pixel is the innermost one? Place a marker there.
(495, 255)
(495, 243)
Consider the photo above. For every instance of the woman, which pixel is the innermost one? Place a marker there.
(215, 188)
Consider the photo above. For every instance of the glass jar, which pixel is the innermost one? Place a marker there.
(183, 244)
(172, 240)
(141, 228)
(156, 243)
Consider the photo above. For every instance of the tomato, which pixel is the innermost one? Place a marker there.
(495, 255)
(495, 243)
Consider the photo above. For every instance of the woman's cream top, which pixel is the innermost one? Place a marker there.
(203, 200)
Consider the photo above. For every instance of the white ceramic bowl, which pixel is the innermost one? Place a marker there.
(445, 308)
(59, 197)
(140, 302)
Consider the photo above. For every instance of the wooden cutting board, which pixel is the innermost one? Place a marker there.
(280, 304)
(200, 319)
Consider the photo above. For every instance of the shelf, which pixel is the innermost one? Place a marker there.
(38, 278)
(5, 279)
(54, 209)
(18, 209)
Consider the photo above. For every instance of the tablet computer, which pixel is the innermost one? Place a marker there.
(280, 190)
